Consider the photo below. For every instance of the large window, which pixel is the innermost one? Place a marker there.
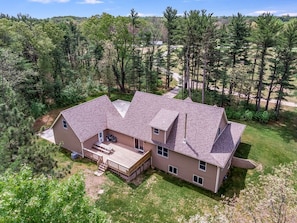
(162, 151)
(202, 165)
(64, 123)
(172, 169)
(156, 131)
(198, 180)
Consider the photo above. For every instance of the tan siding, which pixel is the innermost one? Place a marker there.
(66, 137)
(225, 170)
(222, 126)
(186, 168)
(121, 138)
(168, 132)
(223, 123)
(89, 143)
(160, 137)
(129, 141)
(148, 146)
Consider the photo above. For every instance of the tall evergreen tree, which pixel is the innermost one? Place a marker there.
(239, 32)
(134, 25)
(287, 57)
(170, 16)
(264, 36)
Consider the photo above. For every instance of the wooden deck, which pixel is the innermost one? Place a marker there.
(121, 155)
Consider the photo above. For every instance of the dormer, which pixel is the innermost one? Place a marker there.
(161, 125)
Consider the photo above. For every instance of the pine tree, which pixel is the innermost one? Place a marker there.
(264, 36)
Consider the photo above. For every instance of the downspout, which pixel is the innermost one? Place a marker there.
(82, 150)
(217, 180)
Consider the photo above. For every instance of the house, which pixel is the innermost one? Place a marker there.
(192, 141)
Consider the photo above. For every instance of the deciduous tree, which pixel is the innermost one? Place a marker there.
(27, 198)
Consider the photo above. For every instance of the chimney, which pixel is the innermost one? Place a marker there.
(185, 133)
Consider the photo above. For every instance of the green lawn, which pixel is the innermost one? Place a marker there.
(269, 145)
(159, 198)
(162, 198)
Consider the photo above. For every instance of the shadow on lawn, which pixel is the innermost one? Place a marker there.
(287, 125)
(235, 181)
(243, 150)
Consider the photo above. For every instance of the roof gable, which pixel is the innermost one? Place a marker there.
(88, 118)
(163, 119)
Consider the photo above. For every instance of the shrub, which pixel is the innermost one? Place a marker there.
(37, 109)
(74, 92)
(265, 117)
(248, 115)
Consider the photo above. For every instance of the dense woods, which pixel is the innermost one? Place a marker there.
(57, 62)
(62, 61)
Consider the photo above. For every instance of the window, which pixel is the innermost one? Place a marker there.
(172, 169)
(64, 124)
(156, 131)
(198, 180)
(202, 165)
(162, 151)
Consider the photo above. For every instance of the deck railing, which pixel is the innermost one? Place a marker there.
(140, 162)
(117, 167)
(93, 155)
(126, 170)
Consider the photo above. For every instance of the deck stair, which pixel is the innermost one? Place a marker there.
(103, 167)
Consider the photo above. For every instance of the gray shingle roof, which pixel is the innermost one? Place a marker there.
(148, 110)
(202, 125)
(226, 143)
(88, 118)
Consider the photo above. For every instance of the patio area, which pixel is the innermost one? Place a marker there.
(121, 155)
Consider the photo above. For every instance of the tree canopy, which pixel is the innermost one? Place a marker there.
(27, 198)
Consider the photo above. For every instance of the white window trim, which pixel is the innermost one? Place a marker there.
(162, 155)
(156, 131)
(64, 123)
(205, 166)
(198, 180)
(173, 167)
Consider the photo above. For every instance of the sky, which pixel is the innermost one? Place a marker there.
(86, 8)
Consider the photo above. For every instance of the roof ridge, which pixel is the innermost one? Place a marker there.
(86, 102)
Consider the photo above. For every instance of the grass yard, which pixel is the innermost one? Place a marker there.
(159, 198)
(269, 145)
